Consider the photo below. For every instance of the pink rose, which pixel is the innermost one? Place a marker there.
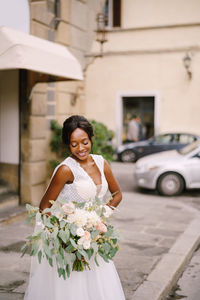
(87, 235)
(101, 227)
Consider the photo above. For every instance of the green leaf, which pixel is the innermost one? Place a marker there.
(73, 229)
(59, 259)
(72, 257)
(47, 250)
(95, 259)
(24, 250)
(94, 234)
(106, 247)
(34, 249)
(56, 243)
(73, 243)
(103, 256)
(40, 256)
(64, 235)
(94, 246)
(69, 248)
(78, 254)
(89, 253)
(55, 232)
(68, 270)
(50, 261)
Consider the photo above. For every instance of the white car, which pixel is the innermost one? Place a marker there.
(171, 171)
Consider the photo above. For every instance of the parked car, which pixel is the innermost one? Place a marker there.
(171, 171)
(131, 152)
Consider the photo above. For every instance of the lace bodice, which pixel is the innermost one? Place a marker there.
(83, 187)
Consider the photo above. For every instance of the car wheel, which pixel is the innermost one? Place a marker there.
(128, 156)
(170, 184)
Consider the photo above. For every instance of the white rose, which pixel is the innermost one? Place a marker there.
(93, 218)
(80, 231)
(79, 217)
(108, 211)
(81, 240)
(86, 244)
(68, 208)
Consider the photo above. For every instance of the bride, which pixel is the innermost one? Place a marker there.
(94, 174)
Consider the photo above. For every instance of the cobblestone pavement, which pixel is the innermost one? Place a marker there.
(150, 225)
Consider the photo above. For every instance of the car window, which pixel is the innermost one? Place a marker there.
(165, 138)
(186, 139)
(189, 148)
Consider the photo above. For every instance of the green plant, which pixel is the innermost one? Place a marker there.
(101, 143)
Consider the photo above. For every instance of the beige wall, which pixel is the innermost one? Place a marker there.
(142, 13)
(149, 61)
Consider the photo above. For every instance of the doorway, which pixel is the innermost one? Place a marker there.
(142, 107)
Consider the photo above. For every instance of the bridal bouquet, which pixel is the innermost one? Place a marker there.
(70, 234)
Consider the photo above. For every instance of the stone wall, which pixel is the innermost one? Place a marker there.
(54, 101)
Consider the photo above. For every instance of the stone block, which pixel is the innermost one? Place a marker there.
(68, 86)
(78, 39)
(63, 33)
(79, 14)
(65, 10)
(34, 172)
(37, 127)
(38, 150)
(39, 30)
(63, 103)
(39, 12)
(40, 87)
(37, 192)
(38, 104)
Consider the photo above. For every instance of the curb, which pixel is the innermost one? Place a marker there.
(167, 272)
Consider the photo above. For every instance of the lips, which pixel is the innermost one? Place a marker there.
(82, 154)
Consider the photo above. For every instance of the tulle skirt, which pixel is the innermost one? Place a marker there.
(99, 283)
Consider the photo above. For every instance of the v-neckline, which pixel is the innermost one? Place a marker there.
(96, 185)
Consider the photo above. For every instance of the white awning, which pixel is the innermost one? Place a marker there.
(19, 50)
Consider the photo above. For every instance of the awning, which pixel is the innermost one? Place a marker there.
(19, 50)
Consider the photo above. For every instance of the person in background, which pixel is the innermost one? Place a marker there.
(133, 131)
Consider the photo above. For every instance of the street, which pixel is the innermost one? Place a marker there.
(150, 225)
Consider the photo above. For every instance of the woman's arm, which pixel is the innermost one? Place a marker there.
(61, 177)
(113, 186)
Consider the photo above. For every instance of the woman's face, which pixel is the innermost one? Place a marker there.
(80, 144)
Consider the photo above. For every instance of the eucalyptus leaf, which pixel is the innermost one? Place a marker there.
(68, 270)
(73, 243)
(72, 257)
(40, 256)
(94, 246)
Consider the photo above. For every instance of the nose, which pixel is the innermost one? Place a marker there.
(81, 147)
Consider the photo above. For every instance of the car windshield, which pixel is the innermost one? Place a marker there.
(189, 148)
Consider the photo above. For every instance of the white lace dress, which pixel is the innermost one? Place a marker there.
(99, 283)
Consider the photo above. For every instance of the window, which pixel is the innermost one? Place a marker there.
(186, 139)
(112, 10)
(164, 139)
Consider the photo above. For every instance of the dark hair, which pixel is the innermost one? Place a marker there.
(74, 122)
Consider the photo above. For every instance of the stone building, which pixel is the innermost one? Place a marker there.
(35, 91)
(150, 67)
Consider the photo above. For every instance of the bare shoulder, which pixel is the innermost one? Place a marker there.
(64, 173)
(107, 167)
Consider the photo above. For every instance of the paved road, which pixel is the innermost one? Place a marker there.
(188, 286)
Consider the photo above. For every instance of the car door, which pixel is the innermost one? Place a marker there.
(192, 169)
